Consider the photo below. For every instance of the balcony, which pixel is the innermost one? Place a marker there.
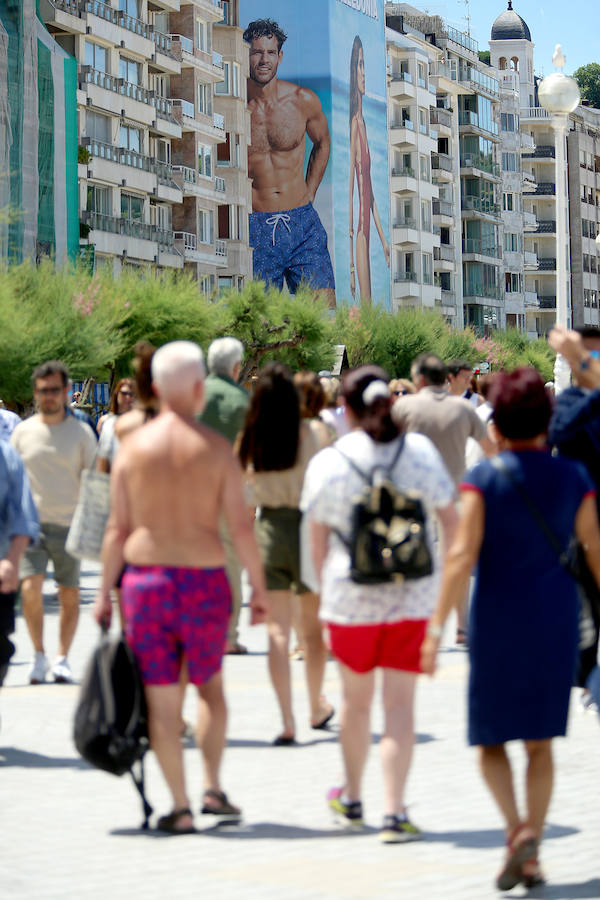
(403, 277)
(533, 113)
(529, 182)
(547, 264)
(531, 299)
(480, 162)
(405, 231)
(124, 157)
(442, 163)
(474, 291)
(444, 252)
(547, 302)
(130, 228)
(195, 185)
(479, 247)
(530, 260)
(540, 152)
(480, 205)
(404, 180)
(546, 227)
(529, 221)
(442, 208)
(196, 251)
(441, 117)
(547, 188)
(401, 85)
(468, 118)
(527, 142)
(403, 133)
(207, 61)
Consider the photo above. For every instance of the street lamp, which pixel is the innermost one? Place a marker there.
(559, 95)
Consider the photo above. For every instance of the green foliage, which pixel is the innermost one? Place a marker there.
(588, 79)
(93, 322)
(484, 56)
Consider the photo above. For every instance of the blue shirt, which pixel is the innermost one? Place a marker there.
(18, 514)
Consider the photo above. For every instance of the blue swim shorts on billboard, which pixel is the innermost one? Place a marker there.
(291, 244)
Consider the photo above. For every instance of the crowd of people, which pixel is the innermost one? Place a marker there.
(208, 480)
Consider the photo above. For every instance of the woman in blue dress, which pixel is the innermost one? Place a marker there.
(523, 629)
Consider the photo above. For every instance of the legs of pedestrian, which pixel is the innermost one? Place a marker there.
(33, 609)
(69, 616)
(355, 730)
(315, 654)
(7, 626)
(397, 742)
(164, 725)
(210, 735)
(279, 625)
(539, 781)
(497, 774)
(234, 576)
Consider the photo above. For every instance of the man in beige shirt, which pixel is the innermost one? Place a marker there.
(55, 448)
(172, 480)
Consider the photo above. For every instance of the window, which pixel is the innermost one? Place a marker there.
(509, 122)
(425, 215)
(160, 215)
(227, 12)
(511, 242)
(427, 268)
(423, 121)
(132, 207)
(231, 80)
(510, 162)
(96, 56)
(160, 21)
(162, 150)
(422, 74)
(130, 138)
(512, 282)
(205, 226)
(508, 202)
(99, 200)
(130, 70)
(98, 127)
(205, 99)
(130, 7)
(424, 168)
(584, 228)
(202, 35)
(160, 85)
(205, 160)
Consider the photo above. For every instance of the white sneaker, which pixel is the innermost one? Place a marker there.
(40, 668)
(61, 670)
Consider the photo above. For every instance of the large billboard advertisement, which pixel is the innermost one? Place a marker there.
(318, 158)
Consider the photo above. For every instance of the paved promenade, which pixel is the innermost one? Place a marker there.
(68, 831)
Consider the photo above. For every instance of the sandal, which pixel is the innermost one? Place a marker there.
(325, 721)
(531, 874)
(519, 851)
(169, 823)
(284, 740)
(221, 808)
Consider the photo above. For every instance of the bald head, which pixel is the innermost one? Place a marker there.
(177, 371)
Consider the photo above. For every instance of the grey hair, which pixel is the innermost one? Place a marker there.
(177, 364)
(223, 356)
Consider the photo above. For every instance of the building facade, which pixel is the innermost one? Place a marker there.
(583, 157)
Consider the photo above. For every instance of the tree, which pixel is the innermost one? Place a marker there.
(588, 79)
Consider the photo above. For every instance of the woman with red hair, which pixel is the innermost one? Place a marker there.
(519, 510)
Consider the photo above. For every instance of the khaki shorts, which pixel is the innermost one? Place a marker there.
(278, 536)
(51, 546)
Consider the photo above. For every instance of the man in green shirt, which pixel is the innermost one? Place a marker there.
(226, 405)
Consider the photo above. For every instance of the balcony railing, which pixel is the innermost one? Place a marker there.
(185, 43)
(130, 228)
(545, 187)
(117, 85)
(444, 251)
(442, 208)
(540, 152)
(187, 108)
(405, 123)
(405, 222)
(219, 121)
(406, 171)
(117, 17)
(125, 157)
(534, 112)
(164, 107)
(217, 59)
(220, 184)
(221, 248)
(468, 117)
(441, 161)
(477, 289)
(547, 264)
(187, 238)
(477, 245)
(479, 161)
(547, 302)
(546, 227)
(402, 76)
(480, 204)
(405, 276)
(68, 6)
(440, 116)
(163, 43)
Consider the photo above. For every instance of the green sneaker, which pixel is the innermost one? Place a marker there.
(350, 814)
(399, 831)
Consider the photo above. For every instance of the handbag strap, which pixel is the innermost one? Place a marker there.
(562, 554)
(368, 478)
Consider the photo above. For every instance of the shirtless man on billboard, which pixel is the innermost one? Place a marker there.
(287, 236)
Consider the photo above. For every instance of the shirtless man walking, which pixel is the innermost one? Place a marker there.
(286, 234)
(171, 481)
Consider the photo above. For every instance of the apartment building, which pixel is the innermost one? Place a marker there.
(232, 154)
(149, 130)
(583, 156)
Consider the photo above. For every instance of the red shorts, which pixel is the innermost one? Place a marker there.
(393, 645)
(173, 612)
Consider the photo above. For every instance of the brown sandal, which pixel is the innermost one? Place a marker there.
(531, 874)
(222, 807)
(169, 823)
(519, 851)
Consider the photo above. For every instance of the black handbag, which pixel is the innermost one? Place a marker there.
(388, 539)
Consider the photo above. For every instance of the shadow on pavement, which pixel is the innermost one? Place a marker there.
(250, 742)
(254, 831)
(25, 759)
(483, 840)
(572, 891)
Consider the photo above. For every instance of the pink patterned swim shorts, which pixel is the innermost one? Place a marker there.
(171, 613)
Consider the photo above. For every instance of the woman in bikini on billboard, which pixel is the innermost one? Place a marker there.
(360, 163)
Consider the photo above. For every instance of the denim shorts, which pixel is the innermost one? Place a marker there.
(51, 545)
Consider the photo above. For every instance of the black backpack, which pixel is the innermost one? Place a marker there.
(110, 728)
(388, 540)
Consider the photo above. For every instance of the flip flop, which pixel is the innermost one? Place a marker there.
(283, 740)
(168, 823)
(322, 725)
(224, 807)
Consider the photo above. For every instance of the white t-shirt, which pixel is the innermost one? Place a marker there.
(54, 457)
(330, 485)
(108, 443)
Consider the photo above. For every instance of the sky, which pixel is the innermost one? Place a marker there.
(550, 22)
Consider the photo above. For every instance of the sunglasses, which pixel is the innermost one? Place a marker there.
(49, 390)
(126, 393)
